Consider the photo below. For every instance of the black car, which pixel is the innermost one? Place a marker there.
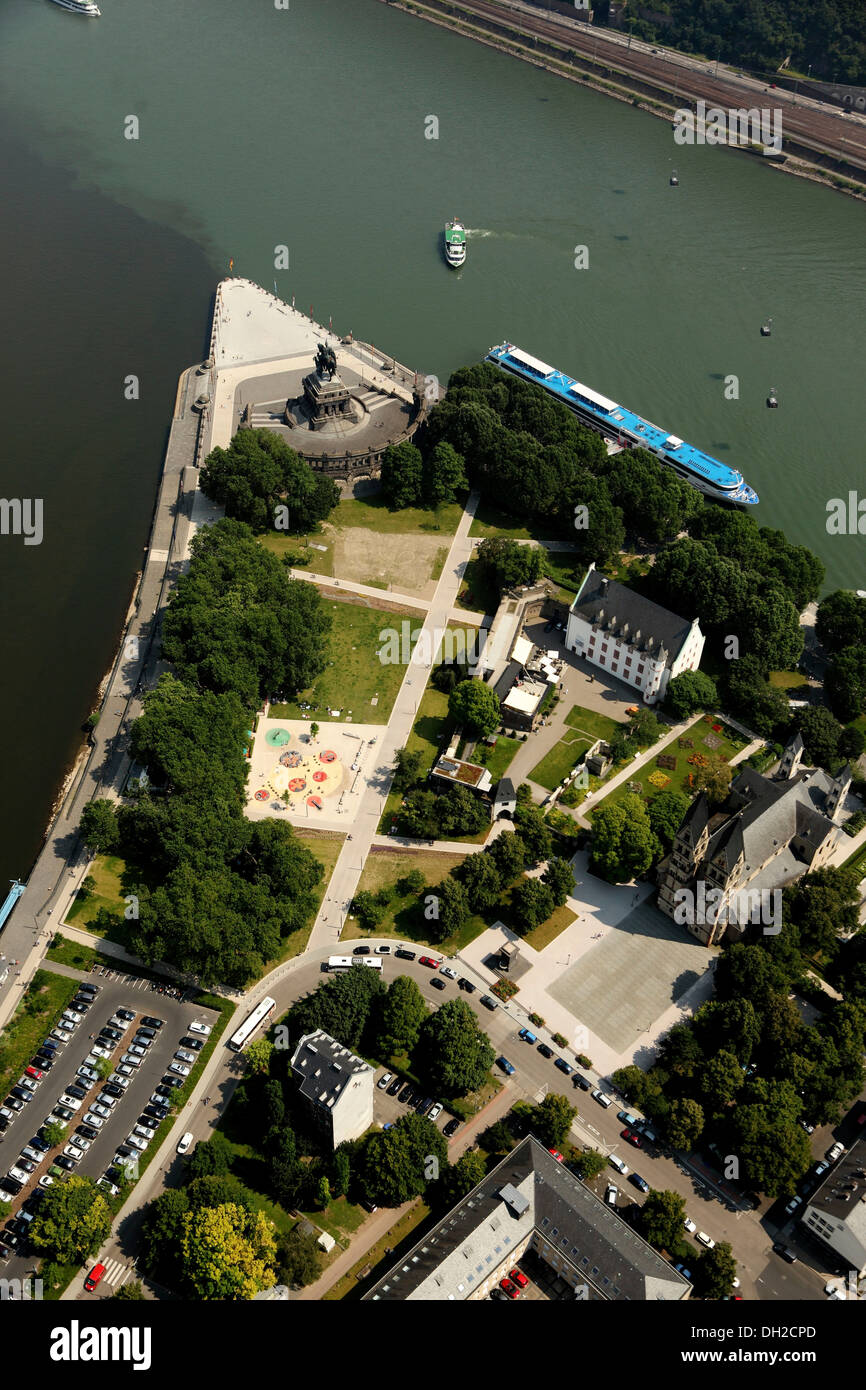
(404, 953)
(81, 1002)
(49, 1045)
(19, 1227)
(113, 1033)
(175, 1082)
(361, 951)
(75, 1008)
(437, 983)
(424, 1105)
(21, 1093)
(395, 1086)
(87, 1131)
(143, 1032)
(413, 1097)
(581, 1081)
(785, 1252)
(114, 1090)
(150, 1022)
(563, 1066)
(488, 1002)
(63, 1162)
(114, 1174)
(22, 1161)
(9, 1237)
(545, 1050)
(463, 983)
(92, 990)
(4, 1124)
(11, 1185)
(43, 1061)
(126, 1151)
(499, 1295)
(195, 1044)
(79, 1092)
(451, 1128)
(156, 1112)
(405, 1093)
(125, 1014)
(162, 1090)
(41, 1145)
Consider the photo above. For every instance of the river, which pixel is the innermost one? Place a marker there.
(308, 127)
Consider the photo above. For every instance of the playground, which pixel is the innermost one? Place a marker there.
(309, 780)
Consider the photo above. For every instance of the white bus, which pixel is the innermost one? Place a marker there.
(263, 1010)
(346, 962)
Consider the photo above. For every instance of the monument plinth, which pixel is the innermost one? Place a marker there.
(328, 403)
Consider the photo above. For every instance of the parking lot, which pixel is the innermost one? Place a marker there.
(388, 1106)
(129, 1106)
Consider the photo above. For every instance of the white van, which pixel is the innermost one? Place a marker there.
(600, 1096)
(617, 1163)
(611, 1195)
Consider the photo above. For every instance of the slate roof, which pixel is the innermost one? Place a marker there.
(625, 613)
(323, 1068)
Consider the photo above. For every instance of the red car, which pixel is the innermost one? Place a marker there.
(557, 1155)
(94, 1277)
(509, 1288)
(35, 1073)
(632, 1138)
(428, 960)
(518, 1277)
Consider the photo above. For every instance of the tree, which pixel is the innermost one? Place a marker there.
(258, 1056)
(841, 621)
(211, 1158)
(504, 564)
(340, 1007)
(452, 906)
(730, 1025)
(368, 910)
(508, 852)
(475, 706)
(258, 473)
(666, 812)
(644, 727)
(685, 1124)
(719, 1080)
(285, 1169)
(774, 1151)
(395, 1165)
(714, 778)
(298, 1258)
(481, 878)
(274, 1105)
(820, 733)
(128, 1293)
(551, 1120)
(341, 1170)
(314, 731)
(98, 825)
(401, 475)
(457, 1181)
(408, 768)
(459, 812)
(403, 1011)
(159, 1244)
(590, 1164)
(559, 878)
(453, 1055)
(323, 1194)
(822, 905)
(226, 1253)
(623, 843)
(852, 743)
(660, 1219)
(54, 1133)
(532, 902)
(845, 683)
(412, 884)
(716, 1272)
(691, 691)
(534, 832)
(72, 1221)
(444, 474)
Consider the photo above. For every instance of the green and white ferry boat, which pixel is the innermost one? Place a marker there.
(455, 242)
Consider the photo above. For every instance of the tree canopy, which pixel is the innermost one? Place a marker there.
(258, 473)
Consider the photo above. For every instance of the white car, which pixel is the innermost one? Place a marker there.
(602, 1099)
(611, 1194)
(19, 1174)
(385, 1080)
(383, 950)
(72, 1151)
(70, 1102)
(183, 1056)
(137, 1142)
(705, 1240)
(448, 972)
(118, 1079)
(27, 1082)
(129, 1059)
(179, 1068)
(435, 1112)
(8, 1196)
(97, 1108)
(196, 1027)
(690, 1225)
(119, 1023)
(834, 1153)
(145, 1131)
(126, 1071)
(81, 1143)
(46, 1180)
(137, 1050)
(792, 1206)
(185, 1142)
(98, 1050)
(96, 1121)
(29, 1152)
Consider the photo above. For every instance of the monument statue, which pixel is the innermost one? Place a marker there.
(326, 361)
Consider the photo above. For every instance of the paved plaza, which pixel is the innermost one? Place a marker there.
(312, 782)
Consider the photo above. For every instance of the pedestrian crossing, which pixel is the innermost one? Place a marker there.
(116, 1273)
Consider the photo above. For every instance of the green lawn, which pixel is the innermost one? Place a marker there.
(301, 550)
(542, 936)
(558, 763)
(397, 1240)
(429, 734)
(107, 870)
(326, 847)
(590, 722)
(562, 566)
(373, 513)
(787, 680)
(857, 861)
(404, 917)
(354, 675)
(491, 521)
(500, 757)
(43, 1001)
(68, 952)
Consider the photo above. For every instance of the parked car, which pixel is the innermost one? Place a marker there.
(704, 1239)
(690, 1225)
(129, 1059)
(834, 1153)
(383, 950)
(28, 1164)
(12, 1103)
(136, 1141)
(34, 1073)
(563, 1065)
(526, 1036)
(62, 1112)
(21, 1093)
(87, 1131)
(107, 1100)
(437, 983)
(125, 1071)
(681, 1269)
(554, 1153)
(143, 1032)
(792, 1206)
(95, 1121)
(88, 1073)
(179, 1067)
(394, 1086)
(489, 1003)
(361, 951)
(451, 1128)
(185, 1143)
(611, 1193)
(545, 1050)
(175, 1082)
(463, 983)
(70, 1102)
(150, 1022)
(508, 1288)
(144, 1131)
(429, 962)
(194, 1044)
(632, 1138)
(603, 1100)
(111, 1088)
(136, 1049)
(385, 1080)
(71, 1150)
(518, 1277)
(447, 971)
(640, 1183)
(504, 1064)
(581, 1081)
(183, 1056)
(435, 1112)
(404, 953)
(126, 1014)
(405, 1093)
(106, 1183)
(785, 1252)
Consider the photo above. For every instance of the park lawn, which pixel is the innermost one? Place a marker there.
(326, 847)
(429, 734)
(542, 936)
(340, 1218)
(353, 671)
(500, 756)
(107, 870)
(857, 861)
(477, 593)
(68, 952)
(492, 521)
(397, 1240)
(301, 550)
(591, 723)
(787, 680)
(562, 566)
(404, 918)
(42, 1002)
(374, 514)
(558, 763)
